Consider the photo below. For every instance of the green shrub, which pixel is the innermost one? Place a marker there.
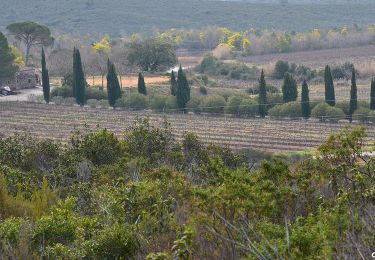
(290, 109)
(64, 91)
(203, 90)
(270, 89)
(362, 114)
(194, 105)
(134, 101)
(171, 103)
(92, 103)
(213, 104)
(325, 112)
(96, 93)
(281, 67)
(248, 108)
(233, 105)
(158, 102)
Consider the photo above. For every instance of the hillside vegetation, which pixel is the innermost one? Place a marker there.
(126, 17)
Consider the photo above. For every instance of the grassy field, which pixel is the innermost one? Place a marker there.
(268, 135)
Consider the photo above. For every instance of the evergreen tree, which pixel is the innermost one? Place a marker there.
(262, 96)
(183, 89)
(305, 100)
(45, 79)
(141, 85)
(7, 67)
(353, 96)
(74, 71)
(173, 84)
(372, 94)
(113, 85)
(79, 80)
(329, 87)
(289, 88)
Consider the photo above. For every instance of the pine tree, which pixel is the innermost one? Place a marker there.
(353, 96)
(183, 90)
(262, 96)
(173, 84)
(372, 94)
(141, 85)
(7, 67)
(329, 87)
(45, 79)
(79, 80)
(113, 85)
(289, 88)
(305, 100)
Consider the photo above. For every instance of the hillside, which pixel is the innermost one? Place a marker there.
(145, 16)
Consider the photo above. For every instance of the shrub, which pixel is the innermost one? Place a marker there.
(291, 109)
(248, 108)
(171, 103)
(325, 112)
(64, 91)
(233, 105)
(70, 101)
(362, 114)
(208, 64)
(281, 67)
(135, 101)
(203, 90)
(157, 102)
(213, 104)
(270, 89)
(92, 103)
(96, 93)
(344, 106)
(194, 105)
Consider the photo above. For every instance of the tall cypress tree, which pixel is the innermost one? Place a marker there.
(289, 88)
(173, 84)
(262, 95)
(74, 71)
(329, 87)
(141, 85)
(79, 80)
(7, 67)
(305, 101)
(45, 79)
(183, 89)
(113, 84)
(353, 96)
(372, 94)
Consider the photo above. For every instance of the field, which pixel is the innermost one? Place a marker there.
(58, 122)
(128, 80)
(119, 17)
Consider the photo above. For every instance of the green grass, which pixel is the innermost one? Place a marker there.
(120, 17)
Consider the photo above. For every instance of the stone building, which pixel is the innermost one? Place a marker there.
(25, 78)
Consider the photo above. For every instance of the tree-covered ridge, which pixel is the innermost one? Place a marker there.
(147, 196)
(125, 17)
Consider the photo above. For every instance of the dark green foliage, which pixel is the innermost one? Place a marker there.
(270, 89)
(183, 89)
(113, 85)
(45, 79)
(31, 33)
(262, 96)
(372, 94)
(289, 88)
(353, 95)
(173, 84)
(239, 71)
(329, 87)
(141, 85)
(7, 68)
(305, 100)
(79, 84)
(281, 67)
(152, 54)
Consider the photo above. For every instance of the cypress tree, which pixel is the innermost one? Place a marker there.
(79, 80)
(173, 84)
(289, 88)
(372, 94)
(353, 96)
(7, 67)
(262, 96)
(183, 90)
(74, 71)
(141, 84)
(45, 79)
(113, 84)
(305, 100)
(329, 87)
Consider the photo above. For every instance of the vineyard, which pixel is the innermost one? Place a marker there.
(58, 122)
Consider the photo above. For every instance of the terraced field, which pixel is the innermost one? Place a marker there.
(57, 122)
